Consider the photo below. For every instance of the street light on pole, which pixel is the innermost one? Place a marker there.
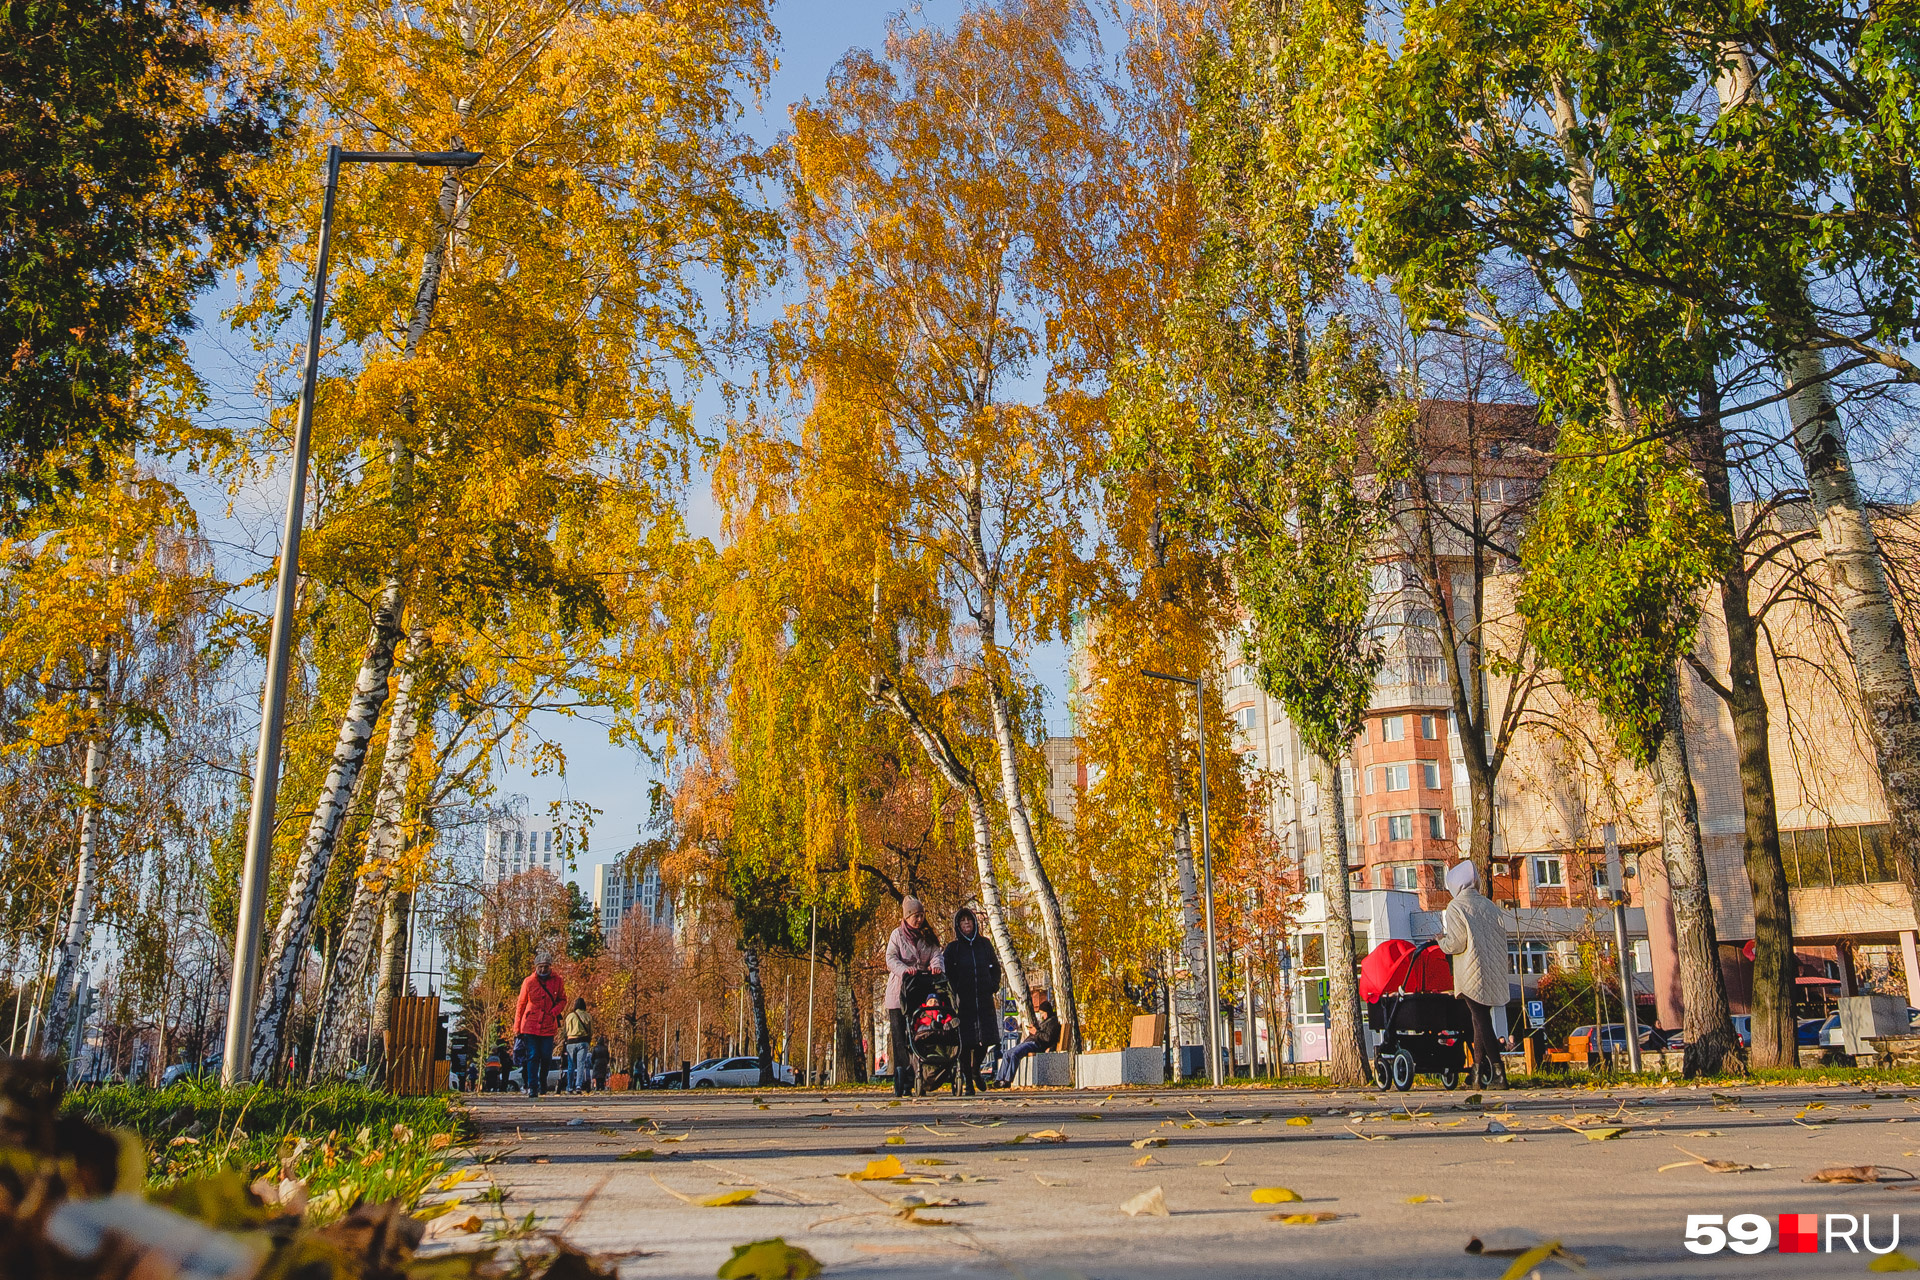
(1199, 686)
(235, 1065)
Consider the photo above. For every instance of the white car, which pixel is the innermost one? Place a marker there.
(738, 1073)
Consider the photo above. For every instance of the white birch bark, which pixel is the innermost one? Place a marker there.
(288, 952)
(1053, 925)
(64, 1001)
(340, 985)
(946, 761)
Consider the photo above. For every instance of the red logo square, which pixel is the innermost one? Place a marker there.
(1799, 1233)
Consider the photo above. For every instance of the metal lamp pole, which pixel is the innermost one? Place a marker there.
(1617, 886)
(1199, 686)
(235, 1065)
(813, 949)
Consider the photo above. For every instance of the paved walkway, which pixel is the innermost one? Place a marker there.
(1042, 1209)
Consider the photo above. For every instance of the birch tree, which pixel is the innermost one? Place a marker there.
(515, 367)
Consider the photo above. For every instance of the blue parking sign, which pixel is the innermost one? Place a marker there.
(1536, 1013)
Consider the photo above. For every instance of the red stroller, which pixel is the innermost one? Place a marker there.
(1423, 1026)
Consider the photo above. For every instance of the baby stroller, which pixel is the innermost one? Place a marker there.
(1423, 1026)
(933, 1027)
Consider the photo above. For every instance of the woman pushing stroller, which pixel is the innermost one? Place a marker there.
(913, 948)
(1475, 935)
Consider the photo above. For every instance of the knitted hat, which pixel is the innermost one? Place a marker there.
(1460, 875)
(909, 905)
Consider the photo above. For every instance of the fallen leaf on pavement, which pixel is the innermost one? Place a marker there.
(1472, 1100)
(1424, 1199)
(1144, 1161)
(1526, 1262)
(1089, 1115)
(1301, 1219)
(1370, 1137)
(773, 1259)
(1274, 1195)
(1141, 1143)
(1502, 1137)
(878, 1170)
(1712, 1166)
(932, 1160)
(1051, 1182)
(644, 1153)
(1895, 1261)
(739, 1195)
(1859, 1173)
(1048, 1135)
(1151, 1203)
(895, 1140)
(1300, 1122)
(472, 1222)
(1214, 1164)
(1704, 1133)
(1601, 1135)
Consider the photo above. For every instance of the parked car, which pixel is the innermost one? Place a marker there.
(671, 1079)
(180, 1071)
(1613, 1038)
(738, 1073)
(1808, 1032)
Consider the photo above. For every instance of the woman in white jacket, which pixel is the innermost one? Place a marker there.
(1474, 934)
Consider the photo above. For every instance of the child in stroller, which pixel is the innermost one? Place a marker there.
(1423, 1027)
(933, 1028)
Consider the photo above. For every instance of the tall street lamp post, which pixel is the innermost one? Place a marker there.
(1212, 1022)
(234, 1066)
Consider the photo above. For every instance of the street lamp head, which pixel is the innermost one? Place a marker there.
(451, 159)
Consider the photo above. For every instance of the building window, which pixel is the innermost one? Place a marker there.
(1369, 782)
(1600, 882)
(1429, 727)
(1528, 957)
(1393, 728)
(1373, 829)
(1400, 827)
(1246, 718)
(1406, 878)
(1436, 827)
(1431, 768)
(1547, 873)
(1397, 778)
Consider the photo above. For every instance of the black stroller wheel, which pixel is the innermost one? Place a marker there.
(1449, 1078)
(1382, 1074)
(1402, 1070)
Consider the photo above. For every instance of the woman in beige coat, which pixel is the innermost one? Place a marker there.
(1474, 934)
(913, 948)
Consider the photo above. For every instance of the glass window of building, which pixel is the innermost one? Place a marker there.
(1400, 827)
(1393, 728)
(1397, 778)
(1429, 727)
(1547, 873)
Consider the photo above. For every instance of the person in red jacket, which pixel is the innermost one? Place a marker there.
(536, 1018)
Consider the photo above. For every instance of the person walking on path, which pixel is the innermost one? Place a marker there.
(1044, 1038)
(536, 1019)
(913, 948)
(602, 1063)
(579, 1033)
(973, 970)
(1473, 932)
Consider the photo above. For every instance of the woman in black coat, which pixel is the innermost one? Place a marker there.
(973, 970)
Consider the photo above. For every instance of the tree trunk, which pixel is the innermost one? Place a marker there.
(946, 761)
(70, 975)
(340, 986)
(1875, 637)
(1010, 963)
(1346, 1046)
(850, 1060)
(762, 1034)
(1053, 924)
(289, 950)
(1711, 1043)
(1193, 937)
(1775, 1041)
(390, 978)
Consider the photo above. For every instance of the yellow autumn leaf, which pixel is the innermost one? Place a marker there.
(739, 1195)
(455, 1178)
(1895, 1261)
(879, 1170)
(1274, 1195)
(1526, 1262)
(773, 1259)
(1303, 1219)
(1300, 1122)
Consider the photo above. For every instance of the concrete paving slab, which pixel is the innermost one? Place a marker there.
(1036, 1208)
